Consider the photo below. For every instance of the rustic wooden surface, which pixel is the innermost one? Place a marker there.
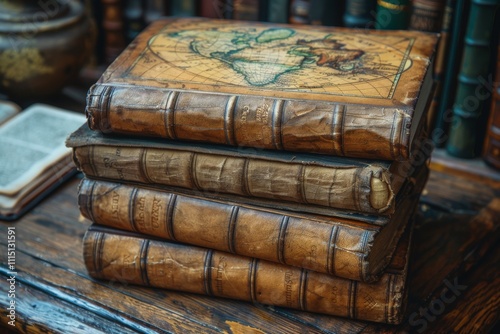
(454, 242)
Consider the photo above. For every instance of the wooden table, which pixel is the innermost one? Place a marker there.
(454, 245)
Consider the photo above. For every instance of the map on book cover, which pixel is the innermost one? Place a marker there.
(249, 55)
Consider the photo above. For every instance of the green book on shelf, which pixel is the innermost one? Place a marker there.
(474, 68)
(359, 13)
(459, 9)
(392, 14)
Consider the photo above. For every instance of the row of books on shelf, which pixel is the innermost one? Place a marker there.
(256, 181)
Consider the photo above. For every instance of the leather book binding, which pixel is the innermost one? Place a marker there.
(131, 259)
(324, 90)
(354, 246)
(365, 186)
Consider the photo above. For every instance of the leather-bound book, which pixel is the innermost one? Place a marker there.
(132, 259)
(350, 245)
(113, 24)
(359, 13)
(315, 181)
(323, 90)
(426, 15)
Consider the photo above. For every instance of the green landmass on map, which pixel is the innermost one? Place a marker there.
(263, 57)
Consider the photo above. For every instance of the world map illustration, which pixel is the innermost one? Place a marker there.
(279, 58)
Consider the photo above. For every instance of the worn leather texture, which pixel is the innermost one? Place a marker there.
(365, 98)
(115, 255)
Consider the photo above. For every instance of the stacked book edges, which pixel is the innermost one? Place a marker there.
(279, 165)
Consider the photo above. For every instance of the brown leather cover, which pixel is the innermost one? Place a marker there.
(115, 255)
(358, 248)
(324, 90)
(365, 186)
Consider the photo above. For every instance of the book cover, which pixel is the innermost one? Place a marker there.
(131, 258)
(353, 246)
(299, 88)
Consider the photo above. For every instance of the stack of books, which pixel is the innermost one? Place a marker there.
(275, 164)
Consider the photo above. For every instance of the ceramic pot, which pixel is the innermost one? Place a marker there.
(43, 45)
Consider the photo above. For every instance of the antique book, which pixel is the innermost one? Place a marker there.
(323, 90)
(426, 15)
(299, 11)
(470, 93)
(440, 64)
(278, 11)
(392, 14)
(113, 24)
(34, 157)
(131, 258)
(367, 186)
(359, 13)
(353, 246)
(444, 111)
(491, 151)
(326, 12)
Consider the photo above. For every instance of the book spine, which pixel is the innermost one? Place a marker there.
(299, 11)
(474, 67)
(392, 14)
(134, 19)
(362, 189)
(491, 151)
(114, 29)
(278, 11)
(252, 121)
(214, 9)
(444, 110)
(246, 10)
(324, 245)
(359, 13)
(426, 15)
(191, 269)
(183, 8)
(326, 12)
(154, 9)
(439, 64)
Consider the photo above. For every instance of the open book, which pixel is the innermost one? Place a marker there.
(34, 159)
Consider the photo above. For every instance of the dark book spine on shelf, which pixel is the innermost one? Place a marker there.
(245, 10)
(392, 14)
(299, 11)
(359, 13)
(426, 15)
(133, 14)
(444, 111)
(114, 29)
(474, 69)
(183, 8)
(491, 152)
(440, 62)
(326, 12)
(214, 9)
(154, 9)
(278, 11)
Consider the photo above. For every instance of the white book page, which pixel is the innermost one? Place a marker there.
(32, 141)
